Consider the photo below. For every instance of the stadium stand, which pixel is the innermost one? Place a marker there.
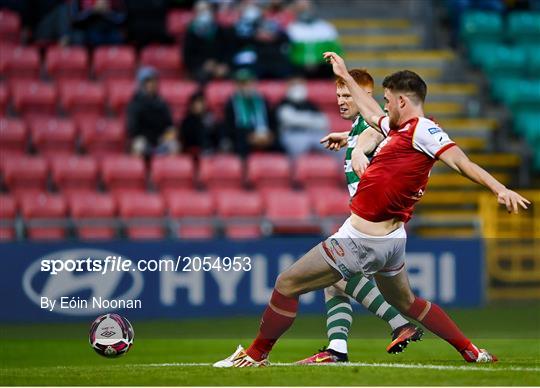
(93, 215)
(40, 213)
(62, 111)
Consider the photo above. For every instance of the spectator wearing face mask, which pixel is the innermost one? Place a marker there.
(300, 123)
(206, 45)
(310, 37)
(149, 119)
(244, 35)
(249, 124)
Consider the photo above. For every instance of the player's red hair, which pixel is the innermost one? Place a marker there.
(361, 76)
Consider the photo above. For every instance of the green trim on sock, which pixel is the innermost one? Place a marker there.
(392, 312)
(335, 300)
(351, 284)
(377, 302)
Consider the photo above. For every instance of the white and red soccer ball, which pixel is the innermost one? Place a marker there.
(111, 335)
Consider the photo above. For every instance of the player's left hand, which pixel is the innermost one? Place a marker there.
(338, 64)
(512, 200)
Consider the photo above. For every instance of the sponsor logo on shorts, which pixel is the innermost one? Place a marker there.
(337, 248)
(345, 271)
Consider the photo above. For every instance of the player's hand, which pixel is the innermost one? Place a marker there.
(334, 141)
(359, 162)
(512, 200)
(338, 64)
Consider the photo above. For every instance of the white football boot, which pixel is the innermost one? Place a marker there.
(240, 359)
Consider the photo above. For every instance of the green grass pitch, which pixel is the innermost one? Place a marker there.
(171, 353)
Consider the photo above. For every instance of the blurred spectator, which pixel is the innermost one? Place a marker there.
(272, 50)
(46, 21)
(97, 22)
(243, 35)
(149, 119)
(248, 121)
(300, 123)
(205, 49)
(277, 11)
(146, 21)
(198, 128)
(311, 37)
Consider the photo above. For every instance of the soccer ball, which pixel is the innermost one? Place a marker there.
(111, 335)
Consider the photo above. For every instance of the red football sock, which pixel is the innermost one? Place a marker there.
(438, 322)
(276, 320)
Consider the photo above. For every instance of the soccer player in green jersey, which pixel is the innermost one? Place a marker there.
(338, 304)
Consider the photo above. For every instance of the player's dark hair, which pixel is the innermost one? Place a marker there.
(361, 76)
(406, 81)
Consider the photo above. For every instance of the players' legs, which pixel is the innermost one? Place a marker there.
(311, 272)
(397, 291)
(338, 316)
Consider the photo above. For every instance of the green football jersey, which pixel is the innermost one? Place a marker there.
(359, 125)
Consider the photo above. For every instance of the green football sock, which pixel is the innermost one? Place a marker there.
(366, 293)
(338, 322)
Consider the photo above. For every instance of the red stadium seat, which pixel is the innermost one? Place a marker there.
(193, 209)
(19, 62)
(330, 203)
(316, 170)
(217, 94)
(67, 62)
(44, 215)
(178, 22)
(102, 136)
(268, 170)
(34, 98)
(337, 123)
(4, 98)
(143, 215)
(93, 214)
(10, 26)
(82, 97)
(13, 136)
(8, 212)
(274, 91)
(290, 213)
(323, 94)
(165, 59)
(25, 173)
(114, 62)
(227, 18)
(172, 172)
(53, 136)
(177, 94)
(244, 209)
(221, 171)
(120, 93)
(123, 173)
(75, 174)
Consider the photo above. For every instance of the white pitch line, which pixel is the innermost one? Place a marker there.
(365, 365)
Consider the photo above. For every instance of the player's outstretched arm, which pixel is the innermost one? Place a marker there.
(456, 159)
(369, 107)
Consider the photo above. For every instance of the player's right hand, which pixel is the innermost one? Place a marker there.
(338, 64)
(512, 200)
(334, 141)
